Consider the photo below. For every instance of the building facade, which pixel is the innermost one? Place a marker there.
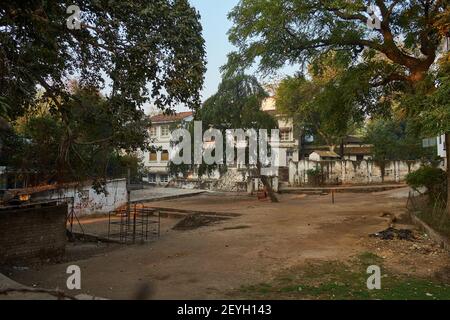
(288, 140)
(442, 152)
(156, 161)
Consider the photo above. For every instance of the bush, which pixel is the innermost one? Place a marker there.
(432, 178)
(315, 177)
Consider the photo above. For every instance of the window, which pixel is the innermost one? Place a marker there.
(165, 155)
(165, 132)
(285, 135)
(152, 178)
(164, 178)
(153, 131)
(153, 156)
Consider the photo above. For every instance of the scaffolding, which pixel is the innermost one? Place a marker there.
(134, 223)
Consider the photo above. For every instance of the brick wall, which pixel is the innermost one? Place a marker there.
(32, 233)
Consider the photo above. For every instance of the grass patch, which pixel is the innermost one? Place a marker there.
(437, 218)
(345, 281)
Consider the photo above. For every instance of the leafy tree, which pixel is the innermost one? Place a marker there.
(293, 31)
(34, 144)
(396, 140)
(236, 105)
(136, 51)
(327, 101)
(398, 56)
(431, 178)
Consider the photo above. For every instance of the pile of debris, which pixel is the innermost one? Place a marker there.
(192, 222)
(392, 233)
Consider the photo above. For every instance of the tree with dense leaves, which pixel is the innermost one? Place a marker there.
(136, 52)
(32, 146)
(235, 105)
(396, 139)
(409, 41)
(327, 103)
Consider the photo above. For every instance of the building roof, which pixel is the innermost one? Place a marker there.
(326, 154)
(363, 150)
(163, 118)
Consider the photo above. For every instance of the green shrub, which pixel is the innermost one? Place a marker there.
(432, 178)
(314, 172)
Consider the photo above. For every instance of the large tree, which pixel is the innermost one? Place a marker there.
(136, 52)
(235, 105)
(398, 56)
(327, 102)
(32, 146)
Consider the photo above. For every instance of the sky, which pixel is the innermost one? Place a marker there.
(215, 27)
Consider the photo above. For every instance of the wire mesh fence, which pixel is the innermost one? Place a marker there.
(133, 224)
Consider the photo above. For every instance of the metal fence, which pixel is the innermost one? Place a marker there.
(134, 223)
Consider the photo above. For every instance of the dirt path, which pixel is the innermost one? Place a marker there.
(211, 261)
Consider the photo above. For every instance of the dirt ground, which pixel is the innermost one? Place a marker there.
(262, 239)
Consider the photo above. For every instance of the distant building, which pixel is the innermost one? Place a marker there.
(288, 141)
(323, 155)
(442, 152)
(437, 144)
(354, 149)
(156, 162)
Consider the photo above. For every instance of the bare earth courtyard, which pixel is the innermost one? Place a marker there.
(243, 256)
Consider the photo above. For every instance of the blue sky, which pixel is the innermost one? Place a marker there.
(215, 27)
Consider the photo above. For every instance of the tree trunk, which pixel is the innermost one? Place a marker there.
(272, 196)
(447, 150)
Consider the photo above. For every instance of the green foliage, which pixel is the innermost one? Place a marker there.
(92, 151)
(384, 69)
(429, 105)
(432, 178)
(151, 51)
(330, 102)
(236, 105)
(396, 140)
(336, 280)
(138, 51)
(276, 33)
(314, 172)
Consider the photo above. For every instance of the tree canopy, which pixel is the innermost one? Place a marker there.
(328, 101)
(144, 51)
(294, 31)
(126, 54)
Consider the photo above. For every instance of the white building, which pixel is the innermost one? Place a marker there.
(441, 146)
(286, 126)
(442, 152)
(156, 162)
